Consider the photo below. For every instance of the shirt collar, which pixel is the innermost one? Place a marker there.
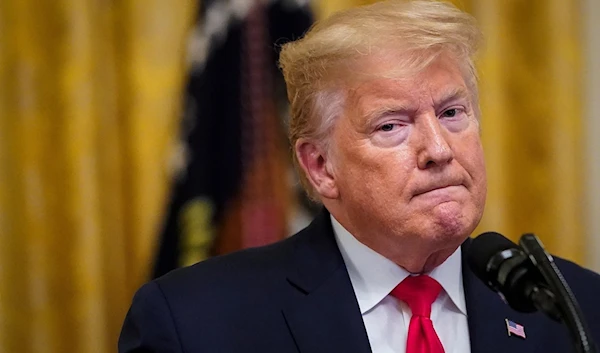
(373, 276)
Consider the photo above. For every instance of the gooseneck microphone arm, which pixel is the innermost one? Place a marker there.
(565, 300)
(528, 280)
(505, 268)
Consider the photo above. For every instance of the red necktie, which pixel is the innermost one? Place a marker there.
(419, 292)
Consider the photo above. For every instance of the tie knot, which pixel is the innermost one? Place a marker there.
(418, 292)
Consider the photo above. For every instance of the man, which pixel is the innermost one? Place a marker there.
(385, 129)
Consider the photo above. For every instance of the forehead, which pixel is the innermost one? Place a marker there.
(387, 77)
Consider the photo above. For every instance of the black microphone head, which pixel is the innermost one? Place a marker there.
(483, 248)
(504, 268)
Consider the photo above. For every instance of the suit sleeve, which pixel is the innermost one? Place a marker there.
(149, 325)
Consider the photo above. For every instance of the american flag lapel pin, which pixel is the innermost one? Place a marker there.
(515, 329)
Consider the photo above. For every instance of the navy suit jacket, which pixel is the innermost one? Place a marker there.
(296, 296)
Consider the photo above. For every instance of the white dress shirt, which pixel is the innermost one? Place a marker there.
(386, 318)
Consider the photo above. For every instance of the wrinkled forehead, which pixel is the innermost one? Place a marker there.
(395, 64)
(395, 75)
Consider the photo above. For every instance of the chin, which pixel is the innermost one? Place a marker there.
(452, 222)
(438, 237)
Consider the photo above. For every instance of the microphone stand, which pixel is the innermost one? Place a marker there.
(567, 304)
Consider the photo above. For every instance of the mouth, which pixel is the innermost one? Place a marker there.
(440, 189)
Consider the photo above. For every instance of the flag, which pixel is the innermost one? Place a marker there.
(515, 329)
(233, 190)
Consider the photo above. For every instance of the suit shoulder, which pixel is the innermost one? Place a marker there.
(576, 272)
(584, 283)
(230, 272)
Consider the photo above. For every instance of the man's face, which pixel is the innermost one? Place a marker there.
(408, 161)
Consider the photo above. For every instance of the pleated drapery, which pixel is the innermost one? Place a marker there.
(90, 95)
(532, 120)
(90, 100)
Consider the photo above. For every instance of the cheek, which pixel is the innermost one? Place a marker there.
(383, 164)
(468, 148)
(369, 170)
(382, 179)
(473, 161)
(477, 160)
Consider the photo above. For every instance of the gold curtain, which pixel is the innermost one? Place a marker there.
(532, 120)
(530, 74)
(90, 95)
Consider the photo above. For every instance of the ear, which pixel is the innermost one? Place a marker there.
(317, 168)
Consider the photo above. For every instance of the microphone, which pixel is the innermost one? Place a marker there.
(505, 268)
(528, 279)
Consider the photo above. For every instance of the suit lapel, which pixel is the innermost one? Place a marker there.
(487, 315)
(322, 313)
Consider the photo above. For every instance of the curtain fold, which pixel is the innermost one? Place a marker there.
(532, 115)
(90, 95)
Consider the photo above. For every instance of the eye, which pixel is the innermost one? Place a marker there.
(387, 127)
(450, 113)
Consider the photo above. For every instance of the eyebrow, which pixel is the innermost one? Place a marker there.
(452, 94)
(394, 106)
(377, 112)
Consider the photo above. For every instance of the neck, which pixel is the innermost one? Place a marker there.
(417, 258)
(413, 252)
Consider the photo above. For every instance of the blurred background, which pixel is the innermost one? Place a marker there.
(140, 136)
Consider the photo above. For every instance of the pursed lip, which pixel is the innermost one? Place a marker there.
(435, 187)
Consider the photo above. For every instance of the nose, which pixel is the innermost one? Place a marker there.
(433, 148)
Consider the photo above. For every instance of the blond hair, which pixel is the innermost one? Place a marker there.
(315, 66)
